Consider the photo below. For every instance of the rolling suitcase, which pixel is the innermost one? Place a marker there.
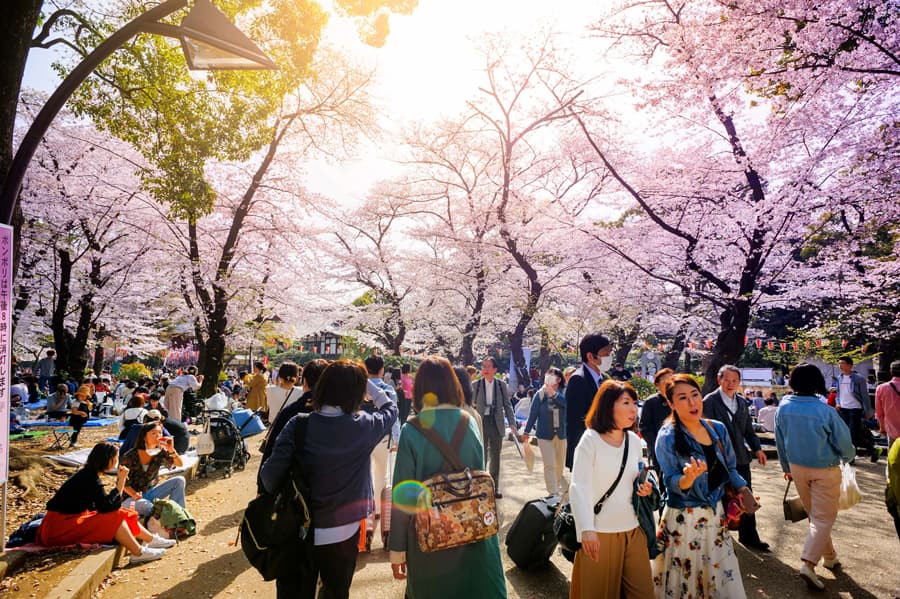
(530, 541)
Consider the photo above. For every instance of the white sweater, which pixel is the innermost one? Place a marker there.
(594, 469)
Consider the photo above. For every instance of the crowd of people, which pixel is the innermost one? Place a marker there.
(354, 415)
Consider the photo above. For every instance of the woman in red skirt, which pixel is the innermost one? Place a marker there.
(83, 512)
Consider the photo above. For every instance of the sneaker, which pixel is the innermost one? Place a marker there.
(874, 455)
(832, 563)
(809, 577)
(148, 554)
(160, 543)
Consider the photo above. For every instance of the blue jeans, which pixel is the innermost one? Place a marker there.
(171, 488)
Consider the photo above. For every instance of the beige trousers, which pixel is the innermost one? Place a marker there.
(553, 454)
(819, 490)
(623, 569)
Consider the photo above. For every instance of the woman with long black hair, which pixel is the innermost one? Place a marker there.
(82, 511)
(696, 460)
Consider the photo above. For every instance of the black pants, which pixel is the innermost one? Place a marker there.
(336, 564)
(302, 580)
(861, 437)
(747, 533)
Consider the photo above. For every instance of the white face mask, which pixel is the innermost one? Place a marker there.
(550, 380)
(605, 363)
(152, 452)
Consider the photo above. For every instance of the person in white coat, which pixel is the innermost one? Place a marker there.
(613, 560)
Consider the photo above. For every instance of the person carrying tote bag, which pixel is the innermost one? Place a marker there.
(613, 560)
(812, 440)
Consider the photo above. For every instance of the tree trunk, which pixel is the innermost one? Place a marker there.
(544, 361)
(473, 324)
(61, 336)
(670, 357)
(98, 357)
(215, 344)
(729, 346)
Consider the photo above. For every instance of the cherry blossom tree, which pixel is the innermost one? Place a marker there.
(737, 192)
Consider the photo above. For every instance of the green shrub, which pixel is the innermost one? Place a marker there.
(643, 387)
(133, 371)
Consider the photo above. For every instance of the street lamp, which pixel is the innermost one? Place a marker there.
(209, 41)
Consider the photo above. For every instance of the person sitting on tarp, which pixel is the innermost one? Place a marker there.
(133, 414)
(152, 451)
(58, 403)
(135, 429)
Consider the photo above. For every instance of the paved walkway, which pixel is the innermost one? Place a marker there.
(208, 566)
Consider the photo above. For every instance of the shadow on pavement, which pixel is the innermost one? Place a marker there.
(543, 581)
(224, 522)
(210, 577)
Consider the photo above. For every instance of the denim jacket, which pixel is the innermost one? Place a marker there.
(672, 465)
(810, 433)
(542, 412)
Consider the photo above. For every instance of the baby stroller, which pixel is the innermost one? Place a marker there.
(229, 451)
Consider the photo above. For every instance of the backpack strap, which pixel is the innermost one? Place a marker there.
(450, 451)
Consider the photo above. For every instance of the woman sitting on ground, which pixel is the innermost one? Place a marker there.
(150, 453)
(82, 512)
(133, 414)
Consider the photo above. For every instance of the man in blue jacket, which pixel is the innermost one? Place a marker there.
(596, 358)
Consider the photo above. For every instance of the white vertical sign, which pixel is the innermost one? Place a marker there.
(6, 310)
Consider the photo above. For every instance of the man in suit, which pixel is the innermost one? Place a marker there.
(596, 358)
(727, 406)
(653, 415)
(491, 398)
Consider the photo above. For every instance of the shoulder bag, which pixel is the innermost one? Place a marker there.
(276, 525)
(793, 506)
(564, 522)
(458, 506)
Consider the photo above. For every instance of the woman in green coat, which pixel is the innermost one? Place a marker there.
(473, 570)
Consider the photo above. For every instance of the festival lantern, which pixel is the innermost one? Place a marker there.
(691, 345)
(796, 346)
(844, 343)
(784, 347)
(759, 344)
(771, 345)
(708, 343)
(818, 343)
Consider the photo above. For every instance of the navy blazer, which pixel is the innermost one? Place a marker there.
(580, 392)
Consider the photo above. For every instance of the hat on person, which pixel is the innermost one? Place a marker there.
(153, 415)
(84, 391)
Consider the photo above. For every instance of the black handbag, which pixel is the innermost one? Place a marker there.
(564, 522)
(274, 532)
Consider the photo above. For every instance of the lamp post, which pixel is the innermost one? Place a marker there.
(209, 41)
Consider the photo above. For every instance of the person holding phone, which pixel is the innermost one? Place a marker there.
(696, 459)
(151, 452)
(613, 560)
(82, 511)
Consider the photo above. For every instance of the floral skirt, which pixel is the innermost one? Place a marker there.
(698, 559)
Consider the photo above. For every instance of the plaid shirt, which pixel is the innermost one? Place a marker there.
(139, 479)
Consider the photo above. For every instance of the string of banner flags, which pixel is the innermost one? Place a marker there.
(771, 345)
